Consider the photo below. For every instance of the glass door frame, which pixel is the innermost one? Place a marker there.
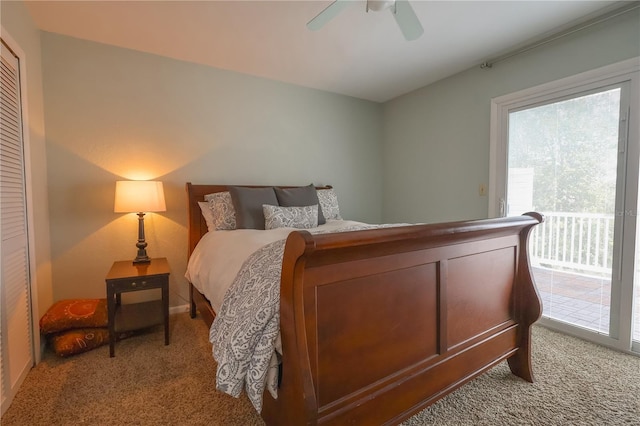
(622, 73)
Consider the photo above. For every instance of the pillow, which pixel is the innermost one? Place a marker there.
(80, 340)
(329, 204)
(300, 197)
(248, 204)
(290, 217)
(74, 313)
(221, 206)
(207, 214)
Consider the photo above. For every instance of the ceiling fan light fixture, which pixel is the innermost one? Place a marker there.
(400, 9)
(378, 5)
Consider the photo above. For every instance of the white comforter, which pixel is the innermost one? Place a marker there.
(239, 272)
(217, 258)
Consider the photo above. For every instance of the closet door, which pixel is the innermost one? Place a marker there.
(16, 344)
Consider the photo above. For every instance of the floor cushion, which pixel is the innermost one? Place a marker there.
(79, 340)
(74, 313)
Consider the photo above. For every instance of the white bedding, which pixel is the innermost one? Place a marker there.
(217, 258)
(239, 272)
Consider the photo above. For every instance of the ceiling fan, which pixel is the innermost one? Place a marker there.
(401, 10)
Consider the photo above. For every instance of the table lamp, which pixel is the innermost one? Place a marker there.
(137, 196)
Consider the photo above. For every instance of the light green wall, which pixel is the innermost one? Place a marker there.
(113, 113)
(436, 139)
(17, 22)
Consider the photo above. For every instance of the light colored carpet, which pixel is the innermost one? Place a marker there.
(147, 383)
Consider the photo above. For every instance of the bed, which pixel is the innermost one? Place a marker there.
(377, 324)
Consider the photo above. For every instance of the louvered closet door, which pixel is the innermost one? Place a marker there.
(16, 352)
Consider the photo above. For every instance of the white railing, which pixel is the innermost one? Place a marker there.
(580, 242)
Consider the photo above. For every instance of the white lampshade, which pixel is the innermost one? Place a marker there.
(139, 196)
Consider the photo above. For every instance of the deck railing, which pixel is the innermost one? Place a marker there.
(580, 242)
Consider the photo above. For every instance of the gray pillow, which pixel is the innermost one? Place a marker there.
(301, 196)
(248, 205)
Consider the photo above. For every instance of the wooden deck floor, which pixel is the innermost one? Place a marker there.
(578, 299)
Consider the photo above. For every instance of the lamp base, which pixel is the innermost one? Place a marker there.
(142, 256)
(139, 260)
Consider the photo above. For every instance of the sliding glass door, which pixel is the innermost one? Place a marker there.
(563, 162)
(636, 297)
(569, 154)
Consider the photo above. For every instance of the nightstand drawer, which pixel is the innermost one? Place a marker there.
(138, 283)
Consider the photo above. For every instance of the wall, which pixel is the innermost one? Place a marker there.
(436, 139)
(17, 22)
(113, 114)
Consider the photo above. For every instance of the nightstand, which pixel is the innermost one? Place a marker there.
(125, 277)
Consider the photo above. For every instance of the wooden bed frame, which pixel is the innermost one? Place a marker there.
(376, 325)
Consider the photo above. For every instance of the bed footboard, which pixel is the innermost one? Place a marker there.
(378, 324)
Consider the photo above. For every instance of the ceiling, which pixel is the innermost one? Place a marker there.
(357, 53)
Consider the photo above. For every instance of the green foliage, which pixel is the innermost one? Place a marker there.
(572, 145)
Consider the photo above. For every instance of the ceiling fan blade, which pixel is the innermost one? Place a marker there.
(328, 14)
(407, 20)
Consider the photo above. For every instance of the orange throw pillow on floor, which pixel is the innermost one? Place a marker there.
(74, 313)
(73, 342)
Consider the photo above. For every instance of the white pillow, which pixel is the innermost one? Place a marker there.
(290, 217)
(329, 204)
(207, 214)
(221, 206)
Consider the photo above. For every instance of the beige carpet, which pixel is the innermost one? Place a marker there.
(147, 383)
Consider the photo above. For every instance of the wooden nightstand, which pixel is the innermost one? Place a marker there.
(124, 277)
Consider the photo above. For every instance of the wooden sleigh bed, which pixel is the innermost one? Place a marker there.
(378, 324)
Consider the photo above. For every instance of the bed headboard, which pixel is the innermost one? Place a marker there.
(196, 225)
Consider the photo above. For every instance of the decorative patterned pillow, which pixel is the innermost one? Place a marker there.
(329, 204)
(299, 197)
(224, 214)
(80, 340)
(290, 217)
(207, 214)
(74, 313)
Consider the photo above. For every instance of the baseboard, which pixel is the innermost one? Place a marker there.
(178, 309)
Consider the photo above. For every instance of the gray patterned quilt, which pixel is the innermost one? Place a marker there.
(246, 331)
